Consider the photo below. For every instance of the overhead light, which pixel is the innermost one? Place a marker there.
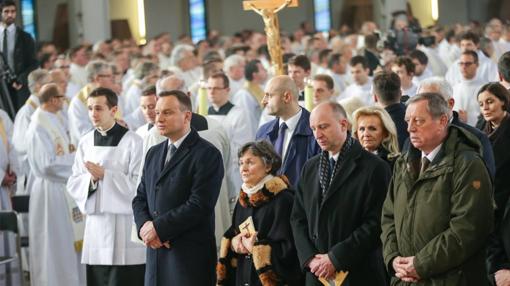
(141, 22)
(435, 9)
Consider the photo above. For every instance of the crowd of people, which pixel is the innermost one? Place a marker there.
(181, 163)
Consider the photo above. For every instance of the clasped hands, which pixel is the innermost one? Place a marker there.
(150, 237)
(95, 170)
(322, 267)
(404, 269)
(9, 179)
(243, 243)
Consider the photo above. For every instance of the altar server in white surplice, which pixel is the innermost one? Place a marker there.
(148, 107)
(103, 184)
(53, 234)
(8, 171)
(465, 92)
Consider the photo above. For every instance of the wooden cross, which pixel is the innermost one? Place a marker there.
(268, 9)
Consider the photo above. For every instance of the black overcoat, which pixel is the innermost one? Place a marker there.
(346, 223)
(180, 200)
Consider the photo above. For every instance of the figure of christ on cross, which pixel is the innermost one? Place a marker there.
(268, 9)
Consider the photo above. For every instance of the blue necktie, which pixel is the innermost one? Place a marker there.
(278, 145)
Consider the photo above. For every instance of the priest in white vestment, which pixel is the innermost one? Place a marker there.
(54, 233)
(103, 184)
(9, 168)
(465, 92)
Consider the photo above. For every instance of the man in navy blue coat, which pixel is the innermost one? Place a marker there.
(174, 205)
(290, 132)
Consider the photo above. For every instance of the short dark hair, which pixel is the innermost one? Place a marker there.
(333, 59)
(48, 93)
(183, 98)
(386, 86)
(325, 78)
(420, 56)
(111, 97)
(149, 90)
(222, 76)
(74, 50)
(407, 63)
(498, 90)
(301, 61)
(251, 68)
(473, 54)
(7, 3)
(324, 53)
(359, 60)
(470, 36)
(265, 151)
(504, 66)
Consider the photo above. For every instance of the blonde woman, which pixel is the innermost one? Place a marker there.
(376, 132)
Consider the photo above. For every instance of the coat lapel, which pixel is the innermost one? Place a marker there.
(180, 154)
(345, 172)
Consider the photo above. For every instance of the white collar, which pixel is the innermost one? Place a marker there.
(432, 154)
(292, 122)
(179, 141)
(105, 132)
(335, 156)
(11, 28)
(252, 190)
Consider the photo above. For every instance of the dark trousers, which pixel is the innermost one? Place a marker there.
(116, 275)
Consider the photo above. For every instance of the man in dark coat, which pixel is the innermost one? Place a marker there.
(290, 132)
(19, 53)
(174, 205)
(336, 214)
(387, 93)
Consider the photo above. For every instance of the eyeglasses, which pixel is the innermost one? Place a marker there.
(105, 75)
(215, 88)
(467, 64)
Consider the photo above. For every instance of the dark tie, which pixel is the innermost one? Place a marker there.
(424, 164)
(150, 125)
(331, 166)
(278, 145)
(4, 47)
(170, 154)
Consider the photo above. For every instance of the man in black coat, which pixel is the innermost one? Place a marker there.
(386, 88)
(18, 50)
(336, 218)
(174, 205)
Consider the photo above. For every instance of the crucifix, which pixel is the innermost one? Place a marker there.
(268, 9)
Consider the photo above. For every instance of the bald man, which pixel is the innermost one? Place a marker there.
(337, 208)
(290, 131)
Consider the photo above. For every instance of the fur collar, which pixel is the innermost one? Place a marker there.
(270, 190)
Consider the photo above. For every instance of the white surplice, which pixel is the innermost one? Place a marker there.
(8, 161)
(247, 102)
(109, 213)
(53, 258)
(487, 70)
(465, 96)
(363, 92)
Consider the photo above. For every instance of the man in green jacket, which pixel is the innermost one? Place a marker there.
(439, 211)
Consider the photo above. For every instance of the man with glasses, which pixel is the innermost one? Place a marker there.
(290, 132)
(465, 91)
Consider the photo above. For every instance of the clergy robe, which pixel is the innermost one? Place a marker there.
(465, 95)
(364, 92)
(487, 70)
(79, 122)
(107, 239)
(53, 257)
(78, 75)
(250, 103)
(21, 122)
(217, 136)
(237, 124)
(9, 273)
